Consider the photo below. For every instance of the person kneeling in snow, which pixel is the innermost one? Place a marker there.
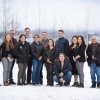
(62, 70)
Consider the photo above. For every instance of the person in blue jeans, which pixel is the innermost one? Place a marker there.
(93, 62)
(62, 70)
(37, 49)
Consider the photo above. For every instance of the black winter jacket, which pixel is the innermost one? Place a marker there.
(65, 69)
(53, 55)
(22, 52)
(37, 50)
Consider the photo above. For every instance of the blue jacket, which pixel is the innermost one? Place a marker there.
(65, 69)
(62, 45)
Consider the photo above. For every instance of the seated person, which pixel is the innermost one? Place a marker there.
(62, 70)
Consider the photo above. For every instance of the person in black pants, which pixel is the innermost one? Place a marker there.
(79, 57)
(71, 52)
(14, 41)
(49, 55)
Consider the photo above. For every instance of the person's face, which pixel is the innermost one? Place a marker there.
(79, 40)
(61, 57)
(60, 34)
(27, 32)
(8, 38)
(50, 43)
(22, 39)
(44, 35)
(36, 39)
(12, 34)
(93, 40)
(74, 40)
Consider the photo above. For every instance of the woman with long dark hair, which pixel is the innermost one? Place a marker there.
(7, 58)
(71, 52)
(79, 57)
(49, 55)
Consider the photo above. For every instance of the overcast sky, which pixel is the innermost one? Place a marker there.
(59, 14)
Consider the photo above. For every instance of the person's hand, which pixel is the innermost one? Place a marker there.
(61, 74)
(47, 60)
(68, 58)
(74, 58)
(10, 60)
(93, 57)
(61, 80)
(50, 62)
(40, 58)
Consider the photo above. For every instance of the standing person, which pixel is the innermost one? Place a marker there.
(37, 53)
(22, 53)
(0, 56)
(62, 44)
(29, 39)
(7, 58)
(79, 57)
(71, 52)
(49, 55)
(93, 62)
(62, 70)
(44, 41)
(14, 41)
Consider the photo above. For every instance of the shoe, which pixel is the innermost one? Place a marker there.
(75, 84)
(98, 85)
(20, 84)
(8, 83)
(81, 85)
(67, 83)
(12, 82)
(5, 83)
(93, 85)
(0, 84)
(38, 84)
(24, 83)
(29, 83)
(59, 84)
(34, 84)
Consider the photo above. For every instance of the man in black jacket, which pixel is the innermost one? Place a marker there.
(62, 72)
(14, 41)
(93, 63)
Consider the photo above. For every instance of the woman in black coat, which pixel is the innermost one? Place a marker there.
(79, 57)
(71, 53)
(22, 53)
(49, 55)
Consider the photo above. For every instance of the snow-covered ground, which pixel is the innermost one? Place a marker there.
(29, 92)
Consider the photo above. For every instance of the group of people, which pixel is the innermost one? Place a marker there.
(60, 59)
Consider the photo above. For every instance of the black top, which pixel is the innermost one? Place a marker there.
(14, 41)
(4, 52)
(53, 54)
(22, 52)
(81, 52)
(37, 50)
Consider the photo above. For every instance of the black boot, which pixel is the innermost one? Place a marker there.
(74, 84)
(98, 85)
(20, 84)
(81, 85)
(41, 81)
(67, 83)
(93, 85)
(59, 84)
(24, 83)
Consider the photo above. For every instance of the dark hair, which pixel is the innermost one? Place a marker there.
(11, 30)
(48, 47)
(26, 28)
(61, 31)
(44, 32)
(21, 36)
(72, 42)
(36, 35)
(83, 42)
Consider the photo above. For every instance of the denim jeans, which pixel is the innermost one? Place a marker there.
(66, 77)
(94, 70)
(37, 64)
(11, 74)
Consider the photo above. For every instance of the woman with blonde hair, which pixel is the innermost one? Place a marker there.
(7, 58)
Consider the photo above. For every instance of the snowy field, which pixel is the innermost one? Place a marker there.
(29, 92)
